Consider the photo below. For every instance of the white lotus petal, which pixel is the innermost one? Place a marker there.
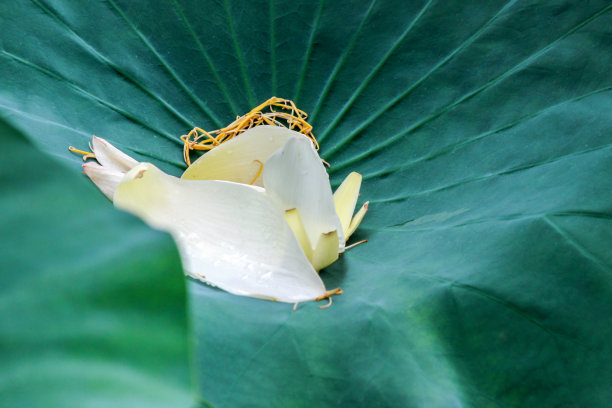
(111, 157)
(294, 177)
(230, 235)
(240, 159)
(345, 199)
(107, 180)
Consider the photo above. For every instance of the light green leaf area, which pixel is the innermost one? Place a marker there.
(483, 132)
(91, 301)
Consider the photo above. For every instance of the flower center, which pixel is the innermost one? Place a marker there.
(275, 111)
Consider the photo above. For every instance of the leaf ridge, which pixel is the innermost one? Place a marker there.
(405, 226)
(512, 307)
(495, 174)
(373, 73)
(340, 63)
(315, 26)
(454, 284)
(470, 40)
(454, 146)
(82, 133)
(585, 253)
(166, 66)
(525, 62)
(207, 58)
(239, 54)
(40, 119)
(105, 60)
(88, 95)
(272, 46)
(269, 339)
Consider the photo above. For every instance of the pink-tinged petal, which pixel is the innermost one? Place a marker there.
(107, 180)
(111, 157)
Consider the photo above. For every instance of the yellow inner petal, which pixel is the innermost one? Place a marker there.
(326, 250)
(297, 226)
(345, 199)
(357, 219)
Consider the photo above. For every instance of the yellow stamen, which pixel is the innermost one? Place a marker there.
(355, 244)
(328, 304)
(86, 155)
(259, 172)
(328, 295)
(294, 119)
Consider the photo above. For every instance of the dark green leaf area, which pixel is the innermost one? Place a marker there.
(423, 329)
(92, 302)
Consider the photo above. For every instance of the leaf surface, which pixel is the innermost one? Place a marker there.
(483, 133)
(91, 301)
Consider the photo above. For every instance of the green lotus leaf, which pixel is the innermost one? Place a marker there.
(484, 136)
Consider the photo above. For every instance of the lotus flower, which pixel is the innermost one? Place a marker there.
(255, 216)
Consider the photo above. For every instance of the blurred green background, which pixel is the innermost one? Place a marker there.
(484, 134)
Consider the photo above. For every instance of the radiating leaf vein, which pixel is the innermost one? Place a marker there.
(491, 175)
(167, 67)
(239, 55)
(103, 59)
(311, 36)
(88, 95)
(207, 58)
(389, 141)
(373, 73)
(454, 146)
(340, 62)
(466, 43)
(581, 249)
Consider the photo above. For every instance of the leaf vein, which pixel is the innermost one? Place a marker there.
(495, 174)
(340, 62)
(525, 62)
(88, 95)
(239, 54)
(421, 80)
(207, 58)
(453, 147)
(272, 47)
(167, 66)
(406, 225)
(311, 37)
(374, 71)
(585, 253)
(105, 60)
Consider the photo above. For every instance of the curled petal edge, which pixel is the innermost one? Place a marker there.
(229, 235)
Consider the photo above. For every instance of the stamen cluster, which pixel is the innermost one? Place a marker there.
(267, 113)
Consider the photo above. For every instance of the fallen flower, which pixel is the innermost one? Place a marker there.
(255, 216)
(287, 165)
(230, 235)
